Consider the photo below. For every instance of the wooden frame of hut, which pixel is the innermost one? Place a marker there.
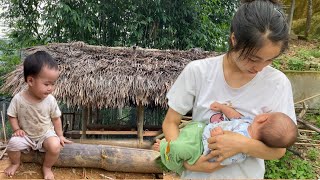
(110, 77)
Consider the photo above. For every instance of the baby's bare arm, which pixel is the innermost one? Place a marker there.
(226, 110)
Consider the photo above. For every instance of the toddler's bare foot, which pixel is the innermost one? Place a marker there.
(11, 169)
(47, 173)
(156, 145)
(216, 131)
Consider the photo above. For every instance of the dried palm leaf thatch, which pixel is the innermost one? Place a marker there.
(110, 76)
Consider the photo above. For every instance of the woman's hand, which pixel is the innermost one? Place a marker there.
(224, 144)
(203, 164)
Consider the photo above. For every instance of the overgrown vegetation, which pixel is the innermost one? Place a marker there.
(289, 167)
(299, 26)
(300, 58)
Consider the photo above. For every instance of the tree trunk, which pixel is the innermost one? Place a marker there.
(309, 16)
(110, 158)
(293, 2)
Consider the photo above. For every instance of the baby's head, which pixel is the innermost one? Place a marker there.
(278, 130)
(40, 72)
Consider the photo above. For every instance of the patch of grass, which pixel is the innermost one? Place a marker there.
(277, 64)
(313, 154)
(289, 167)
(309, 54)
(314, 119)
(295, 63)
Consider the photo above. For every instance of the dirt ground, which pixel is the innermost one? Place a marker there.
(33, 171)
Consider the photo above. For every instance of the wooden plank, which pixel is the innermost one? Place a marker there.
(145, 133)
(84, 122)
(140, 115)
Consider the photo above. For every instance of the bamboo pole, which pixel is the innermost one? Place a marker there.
(3, 127)
(307, 98)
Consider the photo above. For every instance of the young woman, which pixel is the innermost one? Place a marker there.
(241, 77)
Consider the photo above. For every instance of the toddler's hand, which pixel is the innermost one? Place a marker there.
(19, 132)
(63, 140)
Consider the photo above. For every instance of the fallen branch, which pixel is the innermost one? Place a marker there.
(306, 130)
(308, 144)
(309, 125)
(295, 153)
(3, 152)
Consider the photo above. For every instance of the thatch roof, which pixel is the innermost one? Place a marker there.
(110, 77)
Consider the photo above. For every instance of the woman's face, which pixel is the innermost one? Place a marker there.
(254, 63)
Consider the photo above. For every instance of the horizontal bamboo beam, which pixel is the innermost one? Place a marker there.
(145, 133)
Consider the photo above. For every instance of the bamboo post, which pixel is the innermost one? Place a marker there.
(90, 114)
(140, 119)
(84, 122)
(3, 112)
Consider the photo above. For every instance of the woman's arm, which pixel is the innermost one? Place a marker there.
(230, 143)
(170, 125)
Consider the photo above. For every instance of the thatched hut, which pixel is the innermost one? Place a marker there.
(110, 77)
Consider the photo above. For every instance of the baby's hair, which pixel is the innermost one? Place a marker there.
(33, 63)
(278, 131)
(254, 23)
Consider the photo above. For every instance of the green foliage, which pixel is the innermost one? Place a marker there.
(163, 24)
(308, 54)
(9, 58)
(276, 64)
(313, 154)
(314, 119)
(295, 63)
(289, 167)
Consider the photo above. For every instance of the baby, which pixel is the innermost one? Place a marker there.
(274, 129)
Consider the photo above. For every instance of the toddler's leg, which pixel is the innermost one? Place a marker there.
(15, 146)
(14, 157)
(52, 147)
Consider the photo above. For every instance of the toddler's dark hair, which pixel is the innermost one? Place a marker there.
(33, 63)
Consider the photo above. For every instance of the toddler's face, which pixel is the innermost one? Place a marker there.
(44, 82)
